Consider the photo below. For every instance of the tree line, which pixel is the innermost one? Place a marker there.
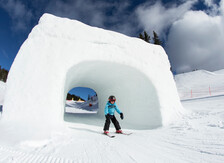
(74, 97)
(3, 74)
(146, 37)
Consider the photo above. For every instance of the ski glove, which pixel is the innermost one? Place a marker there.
(121, 115)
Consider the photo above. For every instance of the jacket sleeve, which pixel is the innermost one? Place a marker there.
(116, 108)
(106, 110)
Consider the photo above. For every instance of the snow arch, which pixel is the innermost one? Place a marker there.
(61, 53)
(135, 93)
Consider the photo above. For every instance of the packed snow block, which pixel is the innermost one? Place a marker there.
(61, 54)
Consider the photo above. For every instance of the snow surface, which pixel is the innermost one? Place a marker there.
(219, 71)
(61, 54)
(196, 137)
(2, 92)
(81, 107)
(199, 84)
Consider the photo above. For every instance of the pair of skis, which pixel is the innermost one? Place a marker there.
(112, 136)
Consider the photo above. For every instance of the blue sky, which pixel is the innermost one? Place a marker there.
(83, 92)
(192, 30)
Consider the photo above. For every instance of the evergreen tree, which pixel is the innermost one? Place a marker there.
(145, 37)
(69, 96)
(156, 39)
(74, 97)
(89, 96)
(141, 36)
(3, 74)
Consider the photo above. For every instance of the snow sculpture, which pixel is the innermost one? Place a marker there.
(61, 54)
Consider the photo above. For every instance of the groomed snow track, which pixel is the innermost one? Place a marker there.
(10, 155)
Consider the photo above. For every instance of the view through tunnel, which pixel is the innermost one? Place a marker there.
(81, 100)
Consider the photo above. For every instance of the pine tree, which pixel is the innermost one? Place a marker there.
(156, 39)
(141, 36)
(147, 37)
(3, 74)
(89, 96)
(69, 96)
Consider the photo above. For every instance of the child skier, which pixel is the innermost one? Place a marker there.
(109, 110)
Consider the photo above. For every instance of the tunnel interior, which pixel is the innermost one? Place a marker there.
(136, 95)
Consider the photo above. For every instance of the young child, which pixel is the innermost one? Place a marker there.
(109, 110)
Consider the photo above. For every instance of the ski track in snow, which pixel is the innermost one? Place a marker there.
(197, 137)
(10, 155)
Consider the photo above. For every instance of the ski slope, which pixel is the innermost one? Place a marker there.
(81, 107)
(199, 84)
(196, 137)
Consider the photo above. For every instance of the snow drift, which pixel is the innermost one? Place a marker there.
(61, 54)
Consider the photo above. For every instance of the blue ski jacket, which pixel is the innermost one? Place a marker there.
(110, 108)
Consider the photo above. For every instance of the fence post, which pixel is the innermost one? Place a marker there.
(210, 91)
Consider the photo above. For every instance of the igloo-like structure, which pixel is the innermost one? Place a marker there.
(61, 54)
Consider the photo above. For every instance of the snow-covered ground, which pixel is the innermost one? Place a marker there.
(196, 137)
(200, 84)
(81, 107)
(2, 92)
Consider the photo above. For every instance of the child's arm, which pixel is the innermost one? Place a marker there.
(116, 108)
(121, 114)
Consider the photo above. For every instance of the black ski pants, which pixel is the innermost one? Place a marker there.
(114, 121)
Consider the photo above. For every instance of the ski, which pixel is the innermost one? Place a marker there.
(124, 133)
(111, 136)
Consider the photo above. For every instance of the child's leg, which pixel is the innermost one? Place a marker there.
(107, 124)
(116, 123)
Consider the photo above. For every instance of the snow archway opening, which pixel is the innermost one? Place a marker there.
(81, 100)
(135, 93)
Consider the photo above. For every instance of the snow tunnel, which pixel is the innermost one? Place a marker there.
(136, 95)
(61, 54)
